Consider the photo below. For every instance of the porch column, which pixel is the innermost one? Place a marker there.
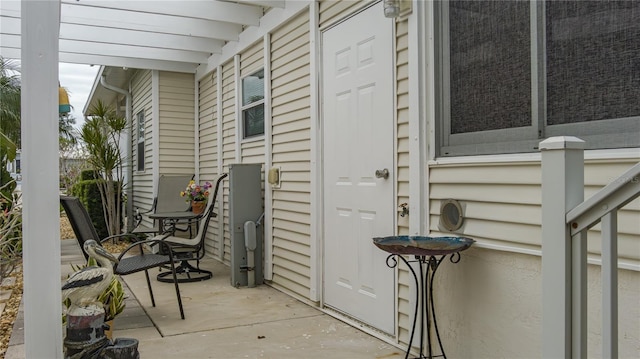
(562, 190)
(40, 183)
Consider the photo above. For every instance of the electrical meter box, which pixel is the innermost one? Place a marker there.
(245, 205)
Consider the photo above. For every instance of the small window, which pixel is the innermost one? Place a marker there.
(140, 150)
(253, 105)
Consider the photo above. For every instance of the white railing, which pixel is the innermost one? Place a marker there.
(566, 217)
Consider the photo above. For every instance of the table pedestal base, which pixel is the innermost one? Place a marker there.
(424, 307)
(186, 273)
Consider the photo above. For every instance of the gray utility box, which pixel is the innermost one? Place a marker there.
(245, 204)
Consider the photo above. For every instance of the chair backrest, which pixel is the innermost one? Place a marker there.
(80, 221)
(208, 211)
(168, 197)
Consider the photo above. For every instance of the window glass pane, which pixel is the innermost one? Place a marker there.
(253, 121)
(253, 88)
(593, 66)
(140, 156)
(490, 65)
(140, 126)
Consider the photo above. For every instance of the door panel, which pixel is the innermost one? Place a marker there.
(358, 139)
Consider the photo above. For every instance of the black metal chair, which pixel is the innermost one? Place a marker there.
(167, 199)
(128, 262)
(188, 249)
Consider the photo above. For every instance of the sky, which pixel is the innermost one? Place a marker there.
(78, 80)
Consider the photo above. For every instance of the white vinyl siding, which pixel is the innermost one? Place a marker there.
(502, 201)
(208, 151)
(332, 10)
(291, 147)
(176, 133)
(228, 144)
(143, 181)
(405, 280)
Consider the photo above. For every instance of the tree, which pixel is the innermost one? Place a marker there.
(101, 134)
(9, 121)
(10, 104)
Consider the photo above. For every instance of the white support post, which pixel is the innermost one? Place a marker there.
(610, 285)
(40, 186)
(562, 189)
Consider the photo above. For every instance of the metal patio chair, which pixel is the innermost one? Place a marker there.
(167, 199)
(189, 249)
(128, 262)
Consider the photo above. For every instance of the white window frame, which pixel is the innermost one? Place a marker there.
(251, 105)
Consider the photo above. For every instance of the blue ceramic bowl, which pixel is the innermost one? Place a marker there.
(422, 246)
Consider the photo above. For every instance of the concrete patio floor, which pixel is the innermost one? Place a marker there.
(222, 321)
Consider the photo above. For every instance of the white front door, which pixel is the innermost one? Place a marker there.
(358, 138)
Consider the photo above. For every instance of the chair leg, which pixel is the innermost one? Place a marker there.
(175, 282)
(153, 301)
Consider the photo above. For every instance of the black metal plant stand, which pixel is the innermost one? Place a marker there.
(424, 303)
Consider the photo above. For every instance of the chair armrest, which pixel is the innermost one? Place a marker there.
(117, 236)
(150, 242)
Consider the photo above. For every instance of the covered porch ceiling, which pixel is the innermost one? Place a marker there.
(147, 34)
(169, 35)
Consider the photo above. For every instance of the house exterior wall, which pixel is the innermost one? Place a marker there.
(207, 161)
(492, 297)
(501, 274)
(141, 101)
(228, 114)
(176, 125)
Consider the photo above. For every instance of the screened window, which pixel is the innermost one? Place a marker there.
(253, 104)
(514, 72)
(140, 134)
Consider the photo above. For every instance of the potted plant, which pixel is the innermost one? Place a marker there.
(196, 194)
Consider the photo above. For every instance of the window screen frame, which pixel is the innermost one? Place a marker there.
(608, 133)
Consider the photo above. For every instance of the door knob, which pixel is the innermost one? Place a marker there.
(382, 173)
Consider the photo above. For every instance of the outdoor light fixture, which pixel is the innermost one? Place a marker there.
(395, 8)
(391, 8)
(63, 100)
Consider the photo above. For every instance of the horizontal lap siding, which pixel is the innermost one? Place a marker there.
(176, 133)
(208, 150)
(291, 152)
(332, 10)
(405, 309)
(228, 144)
(142, 180)
(502, 203)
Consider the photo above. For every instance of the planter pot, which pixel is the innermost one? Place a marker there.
(109, 332)
(197, 207)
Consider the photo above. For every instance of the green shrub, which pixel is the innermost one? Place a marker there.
(89, 194)
(87, 175)
(10, 235)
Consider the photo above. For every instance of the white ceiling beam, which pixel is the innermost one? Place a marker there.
(198, 9)
(84, 15)
(10, 25)
(133, 63)
(10, 52)
(10, 8)
(138, 38)
(10, 41)
(83, 47)
(269, 21)
(264, 3)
